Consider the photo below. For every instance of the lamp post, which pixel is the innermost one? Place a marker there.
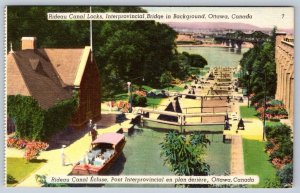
(248, 89)
(130, 91)
(130, 97)
(265, 101)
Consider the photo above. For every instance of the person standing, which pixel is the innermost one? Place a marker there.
(241, 125)
(63, 156)
(94, 132)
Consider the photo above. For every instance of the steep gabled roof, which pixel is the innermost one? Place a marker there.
(68, 63)
(40, 78)
(46, 74)
(15, 81)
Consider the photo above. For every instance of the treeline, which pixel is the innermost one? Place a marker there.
(137, 51)
(258, 70)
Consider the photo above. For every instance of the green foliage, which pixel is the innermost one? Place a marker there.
(195, 60)
(138, 100)
(284, 178)
(278, 132)
(176, 148)
(59, 116)
(28, 116)
(280, 148)
(272, 183)
(124, 50)
(285, 150)
(286, 175)
(10, 179)
(256, 162)
(131, 49)
(166, 79)
(20, 169)
(258, 66)
(42, 180)
(248, 112)
(186, 64)
(275, 102)
(33, 122)
(280, 135)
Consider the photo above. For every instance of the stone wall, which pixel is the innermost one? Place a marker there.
(284, 57)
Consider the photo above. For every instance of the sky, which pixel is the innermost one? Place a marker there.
(267, 17)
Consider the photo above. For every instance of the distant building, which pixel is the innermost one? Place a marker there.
(50, 75)
(284, 57)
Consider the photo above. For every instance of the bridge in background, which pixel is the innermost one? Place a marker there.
(236, 39)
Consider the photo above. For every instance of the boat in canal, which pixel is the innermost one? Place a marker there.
(105, 150)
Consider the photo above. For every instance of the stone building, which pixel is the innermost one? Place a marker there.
(50, 75)
(284, 57)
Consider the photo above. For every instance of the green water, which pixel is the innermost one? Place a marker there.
(141, 156)
(216, 56)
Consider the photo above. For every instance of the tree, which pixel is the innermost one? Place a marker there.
(184, 154)
(166, 79)
(258, 66)
(123, 50)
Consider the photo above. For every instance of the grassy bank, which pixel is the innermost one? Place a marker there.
(19, 168)
(248, 112)
(256, 161)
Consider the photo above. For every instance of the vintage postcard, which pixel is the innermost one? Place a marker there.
(183, 97)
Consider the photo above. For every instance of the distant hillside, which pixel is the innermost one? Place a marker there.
(195, 26)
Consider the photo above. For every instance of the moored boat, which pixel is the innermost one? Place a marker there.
(105, 150)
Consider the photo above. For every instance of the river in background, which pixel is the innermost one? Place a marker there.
(216, 56)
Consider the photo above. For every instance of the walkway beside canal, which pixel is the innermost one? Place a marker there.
(73, 152)
(237, 156)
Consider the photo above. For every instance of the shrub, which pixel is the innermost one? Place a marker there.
(10, 179)
(278, 131)
(138, 100)
(28, 116)
(280, 145)
(272, 183)
(286, 175)
(33, 149)
(35, 123)
(11, 141)
(122, 106)
(59, 116)
(42, 179)
(275, 102)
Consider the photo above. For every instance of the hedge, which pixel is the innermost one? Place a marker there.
(34, 123)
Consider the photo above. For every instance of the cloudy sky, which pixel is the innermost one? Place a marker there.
(282, 17)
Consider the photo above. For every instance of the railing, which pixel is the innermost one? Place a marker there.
(181, 117)
(185, 109)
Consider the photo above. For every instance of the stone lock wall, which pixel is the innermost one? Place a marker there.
(284, 57)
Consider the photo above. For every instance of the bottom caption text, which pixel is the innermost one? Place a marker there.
(154, 179)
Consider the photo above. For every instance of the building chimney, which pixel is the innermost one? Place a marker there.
(28, 43)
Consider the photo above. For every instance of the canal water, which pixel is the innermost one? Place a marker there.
(141, 154)
(216, 56)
